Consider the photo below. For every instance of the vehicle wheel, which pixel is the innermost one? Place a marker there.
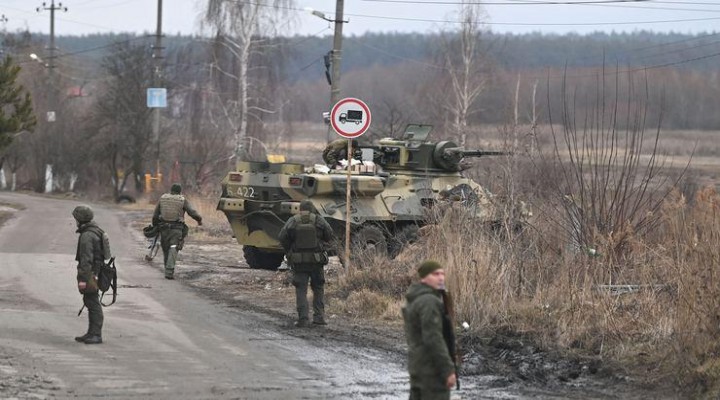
(369, 240)
(259, 259)
(404, 236)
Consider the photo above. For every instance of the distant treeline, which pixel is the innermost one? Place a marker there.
(303, 54)
(403, 75)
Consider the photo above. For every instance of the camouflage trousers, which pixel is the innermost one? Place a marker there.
(171, 236)
(95, 313)
(316, 276)
(428, 388)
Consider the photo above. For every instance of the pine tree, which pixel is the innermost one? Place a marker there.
(16, 111)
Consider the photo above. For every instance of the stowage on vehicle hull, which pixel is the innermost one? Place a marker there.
(389, 200)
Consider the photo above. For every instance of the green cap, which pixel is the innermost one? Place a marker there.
(428, 267)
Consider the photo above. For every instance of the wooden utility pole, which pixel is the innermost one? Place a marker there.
(157, 78)
(51, 114)
(52, 93)
(336, 59)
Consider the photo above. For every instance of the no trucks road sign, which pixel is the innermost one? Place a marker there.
(350, 117)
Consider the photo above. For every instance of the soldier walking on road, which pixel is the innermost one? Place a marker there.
(302, 238)
(90, 257)
(169, 216)
(427, 327)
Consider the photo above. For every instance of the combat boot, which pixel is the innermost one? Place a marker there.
(302, 323)
(82, 338)
(93, 339)
(319, 321)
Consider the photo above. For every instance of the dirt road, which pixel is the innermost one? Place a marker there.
(162, 340)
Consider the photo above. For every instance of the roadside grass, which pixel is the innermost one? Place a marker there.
(665, 326)
(215, 225)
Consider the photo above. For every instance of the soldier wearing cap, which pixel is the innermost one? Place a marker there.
(169, 216)
(90, 258)
(430, 364)
(302, 237)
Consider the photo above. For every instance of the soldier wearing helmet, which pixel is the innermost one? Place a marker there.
(90, 257)
(302, 238)
(337, 150)
(169, 216)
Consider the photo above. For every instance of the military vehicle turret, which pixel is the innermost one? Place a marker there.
(391, 195)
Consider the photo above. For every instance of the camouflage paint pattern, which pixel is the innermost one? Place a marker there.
(258, 197)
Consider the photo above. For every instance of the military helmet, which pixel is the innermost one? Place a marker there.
(307, 205)
(83, 214)
(151, 231)
(175, 188)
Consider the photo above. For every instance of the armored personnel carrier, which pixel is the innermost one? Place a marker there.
(391, 195)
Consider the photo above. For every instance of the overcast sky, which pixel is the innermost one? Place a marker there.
(181, 16)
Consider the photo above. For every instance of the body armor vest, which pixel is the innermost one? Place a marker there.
(306, 248)
(306, 234)
(171, 207)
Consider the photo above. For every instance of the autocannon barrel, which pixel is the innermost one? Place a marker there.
(480, 153)
(455, 154)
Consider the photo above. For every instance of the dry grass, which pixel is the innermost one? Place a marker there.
(535, 285)
(215, 224)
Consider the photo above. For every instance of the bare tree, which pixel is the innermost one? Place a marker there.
(121, 115)
(241, 28)
(610, 183)
(462, 54)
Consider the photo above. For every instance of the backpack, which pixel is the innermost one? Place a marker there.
(107, 274)
(107, 278)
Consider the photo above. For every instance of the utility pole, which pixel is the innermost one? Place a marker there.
(157, 77)
(51, 114)
(335, 55)
(52, 100)
(336, 58)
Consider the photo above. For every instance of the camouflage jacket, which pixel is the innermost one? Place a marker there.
(89, 254)
(428, 353)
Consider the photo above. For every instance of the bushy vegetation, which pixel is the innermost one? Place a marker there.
(657, 308)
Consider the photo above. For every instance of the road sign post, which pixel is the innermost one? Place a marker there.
(156, 97)
(350, 118)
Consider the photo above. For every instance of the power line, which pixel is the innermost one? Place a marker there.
(500, 23)
(519, 3)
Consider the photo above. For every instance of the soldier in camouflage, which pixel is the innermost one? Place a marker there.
(169, 216)
(302, 237)
(337, 150)
(431, 367)
(90, 258)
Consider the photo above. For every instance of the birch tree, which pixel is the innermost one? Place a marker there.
(466, 69)
(240, 29)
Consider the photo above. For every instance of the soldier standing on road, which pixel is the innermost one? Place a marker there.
(431, 367)
(302, 238)
(337, 150)
(169, 216)
(90, 257)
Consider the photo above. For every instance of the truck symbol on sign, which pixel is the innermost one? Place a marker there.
(355, 116)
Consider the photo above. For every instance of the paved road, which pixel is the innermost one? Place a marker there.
(162, 341)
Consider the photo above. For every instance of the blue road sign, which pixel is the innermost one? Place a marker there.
(157, 97)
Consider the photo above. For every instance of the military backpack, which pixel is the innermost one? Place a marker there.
(107, 272)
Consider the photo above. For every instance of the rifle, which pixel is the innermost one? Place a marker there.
(449, 333)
